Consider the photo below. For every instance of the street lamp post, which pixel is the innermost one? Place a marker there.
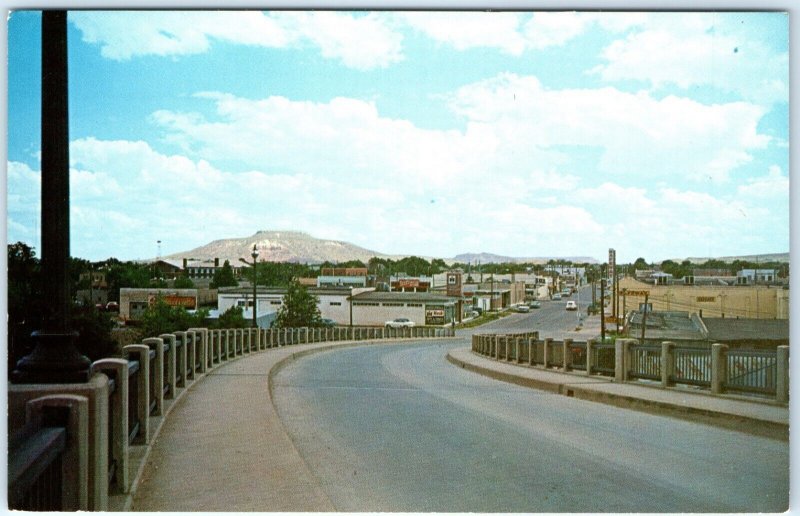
(351, 307)
(254, 255)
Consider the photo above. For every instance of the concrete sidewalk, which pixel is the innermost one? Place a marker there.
(754, 416)
(223, 447)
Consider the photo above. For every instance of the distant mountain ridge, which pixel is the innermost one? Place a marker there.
(278, 246)
(773, 257)
(496, 258)
(300, 247)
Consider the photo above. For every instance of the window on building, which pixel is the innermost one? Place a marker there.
(414, 305)
(393, 304)
(274, 302)
(335, 303)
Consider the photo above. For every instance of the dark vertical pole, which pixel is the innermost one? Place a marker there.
(55, 171)
(55, 358)
(255, 291)
(644, 317)
(602, 311)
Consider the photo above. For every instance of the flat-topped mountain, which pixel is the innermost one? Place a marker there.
(278, 246)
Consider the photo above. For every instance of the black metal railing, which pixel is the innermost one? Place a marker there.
(752, 371)
(692, 366)
(35, 469)
(577, 355)
(645, 362)
(604, 359)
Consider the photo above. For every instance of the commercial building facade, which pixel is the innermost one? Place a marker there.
(744, 301)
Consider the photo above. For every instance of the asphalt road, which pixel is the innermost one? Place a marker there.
(397, 428)
(552, 318)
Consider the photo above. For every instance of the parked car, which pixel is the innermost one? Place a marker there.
(477, 309)
(400, 322)
(556, 297)
(536, 304)
(327, 323)
(566, 292)
(522, 308)
(572, 305)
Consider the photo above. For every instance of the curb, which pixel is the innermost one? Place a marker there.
(749, 425)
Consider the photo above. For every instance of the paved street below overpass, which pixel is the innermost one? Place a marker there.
(398, 428)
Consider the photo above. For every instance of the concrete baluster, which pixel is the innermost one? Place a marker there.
(142, 354)
(157, 390)
(75, 472)
(547, 344)
(782, 377)
(170, 364)
(180, 339)
(719, 367)
(589, 356)
(117, 368)
(667, 364)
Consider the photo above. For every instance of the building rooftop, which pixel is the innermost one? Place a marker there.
(732, 330)
(404, 297)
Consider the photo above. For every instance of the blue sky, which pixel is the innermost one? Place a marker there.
(662, 135)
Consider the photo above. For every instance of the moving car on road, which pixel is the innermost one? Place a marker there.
(556, 297)
(572, 305)
(522, 308)
(400, 322)
(536, 304)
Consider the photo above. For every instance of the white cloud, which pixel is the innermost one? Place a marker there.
(359, 41)
(773, 186)
(699, 50)
(547, 29)
(466, 30)
(637, 132)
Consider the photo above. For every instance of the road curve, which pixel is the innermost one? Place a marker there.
(397, 428)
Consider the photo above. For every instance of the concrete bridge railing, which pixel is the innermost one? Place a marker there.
(91, 444)
(717, 368)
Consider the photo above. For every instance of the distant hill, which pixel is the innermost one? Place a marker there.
(278, 246)
(775, 257)
(299, 247)
(496, 258)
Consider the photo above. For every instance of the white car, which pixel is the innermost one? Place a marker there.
(556, 297)
(522, 308)
(400, 322)
(572, 305)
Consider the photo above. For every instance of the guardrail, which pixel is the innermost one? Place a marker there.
(116, 413)
(716, 368)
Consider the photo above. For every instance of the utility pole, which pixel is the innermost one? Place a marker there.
(644, 317)
(602, 311)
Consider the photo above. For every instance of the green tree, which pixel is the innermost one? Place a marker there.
(161, 317)
(183, 282)
(232, 318)
(223, 276)
(299, 308)
(26, 309)
(640, 264)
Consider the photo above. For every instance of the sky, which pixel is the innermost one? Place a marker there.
(660, 134)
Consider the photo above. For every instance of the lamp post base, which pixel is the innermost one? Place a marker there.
(54, 359)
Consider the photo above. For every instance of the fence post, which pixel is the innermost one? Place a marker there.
(719, 367)
(782, 378)
(667, 363)
(497, 347)
(200, 335)
(180, 337)
(191, 350)
(118, 412)
(169, 367)
(589, 356)
(546, 354)
(75, 469)
(143, 394)
(620, 365)
(566, 356)
(157, 389)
